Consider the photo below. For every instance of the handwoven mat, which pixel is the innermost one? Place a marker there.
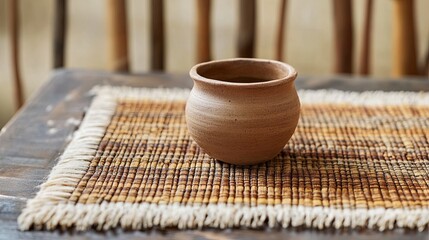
(355, 160)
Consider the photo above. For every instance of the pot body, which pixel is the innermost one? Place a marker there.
(242, 125)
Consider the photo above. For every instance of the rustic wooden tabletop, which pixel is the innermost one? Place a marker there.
(32, 141)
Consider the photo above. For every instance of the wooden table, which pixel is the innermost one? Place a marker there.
(29, 150)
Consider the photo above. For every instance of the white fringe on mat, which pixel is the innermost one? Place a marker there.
(136, 216)
(370, 98)
(50, 208)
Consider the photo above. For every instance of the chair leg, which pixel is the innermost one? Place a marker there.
(365, 61)
(157, 35)
(426, 64)
(281, 30)
(404, 39)
(247, 28)
(203, 30)
(343, 27)
(117, 22)
(14, 39)
(60, 30)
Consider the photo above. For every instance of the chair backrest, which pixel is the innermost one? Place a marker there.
(404, 40)
(117, 27)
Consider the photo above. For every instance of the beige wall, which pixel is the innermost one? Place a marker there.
(309, 38)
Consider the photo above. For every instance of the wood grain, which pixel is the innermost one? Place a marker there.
(203, 30)
(27, 154)
(404, 39)
(157, 35)
(365, 60)
(60, 33)
(343, 35)
(247, 28)
(118, 35)
(14, 41)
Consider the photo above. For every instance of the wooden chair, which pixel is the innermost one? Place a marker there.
(404, 38)
(246, 41)
(405, 62)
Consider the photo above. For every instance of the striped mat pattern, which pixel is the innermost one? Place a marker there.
(355, 160)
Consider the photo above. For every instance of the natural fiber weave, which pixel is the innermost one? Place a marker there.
(355, 160)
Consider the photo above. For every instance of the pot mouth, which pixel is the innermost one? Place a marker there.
(243, 72)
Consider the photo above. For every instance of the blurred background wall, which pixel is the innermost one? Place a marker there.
(309, 37)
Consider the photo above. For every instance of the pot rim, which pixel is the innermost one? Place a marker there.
(289, 77)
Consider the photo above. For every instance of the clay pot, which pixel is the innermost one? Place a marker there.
(242, 111)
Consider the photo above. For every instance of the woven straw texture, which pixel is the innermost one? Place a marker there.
(355, 160)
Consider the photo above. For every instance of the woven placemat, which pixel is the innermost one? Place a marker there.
(355, 160)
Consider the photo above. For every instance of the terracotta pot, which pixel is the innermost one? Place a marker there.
(242, 111)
